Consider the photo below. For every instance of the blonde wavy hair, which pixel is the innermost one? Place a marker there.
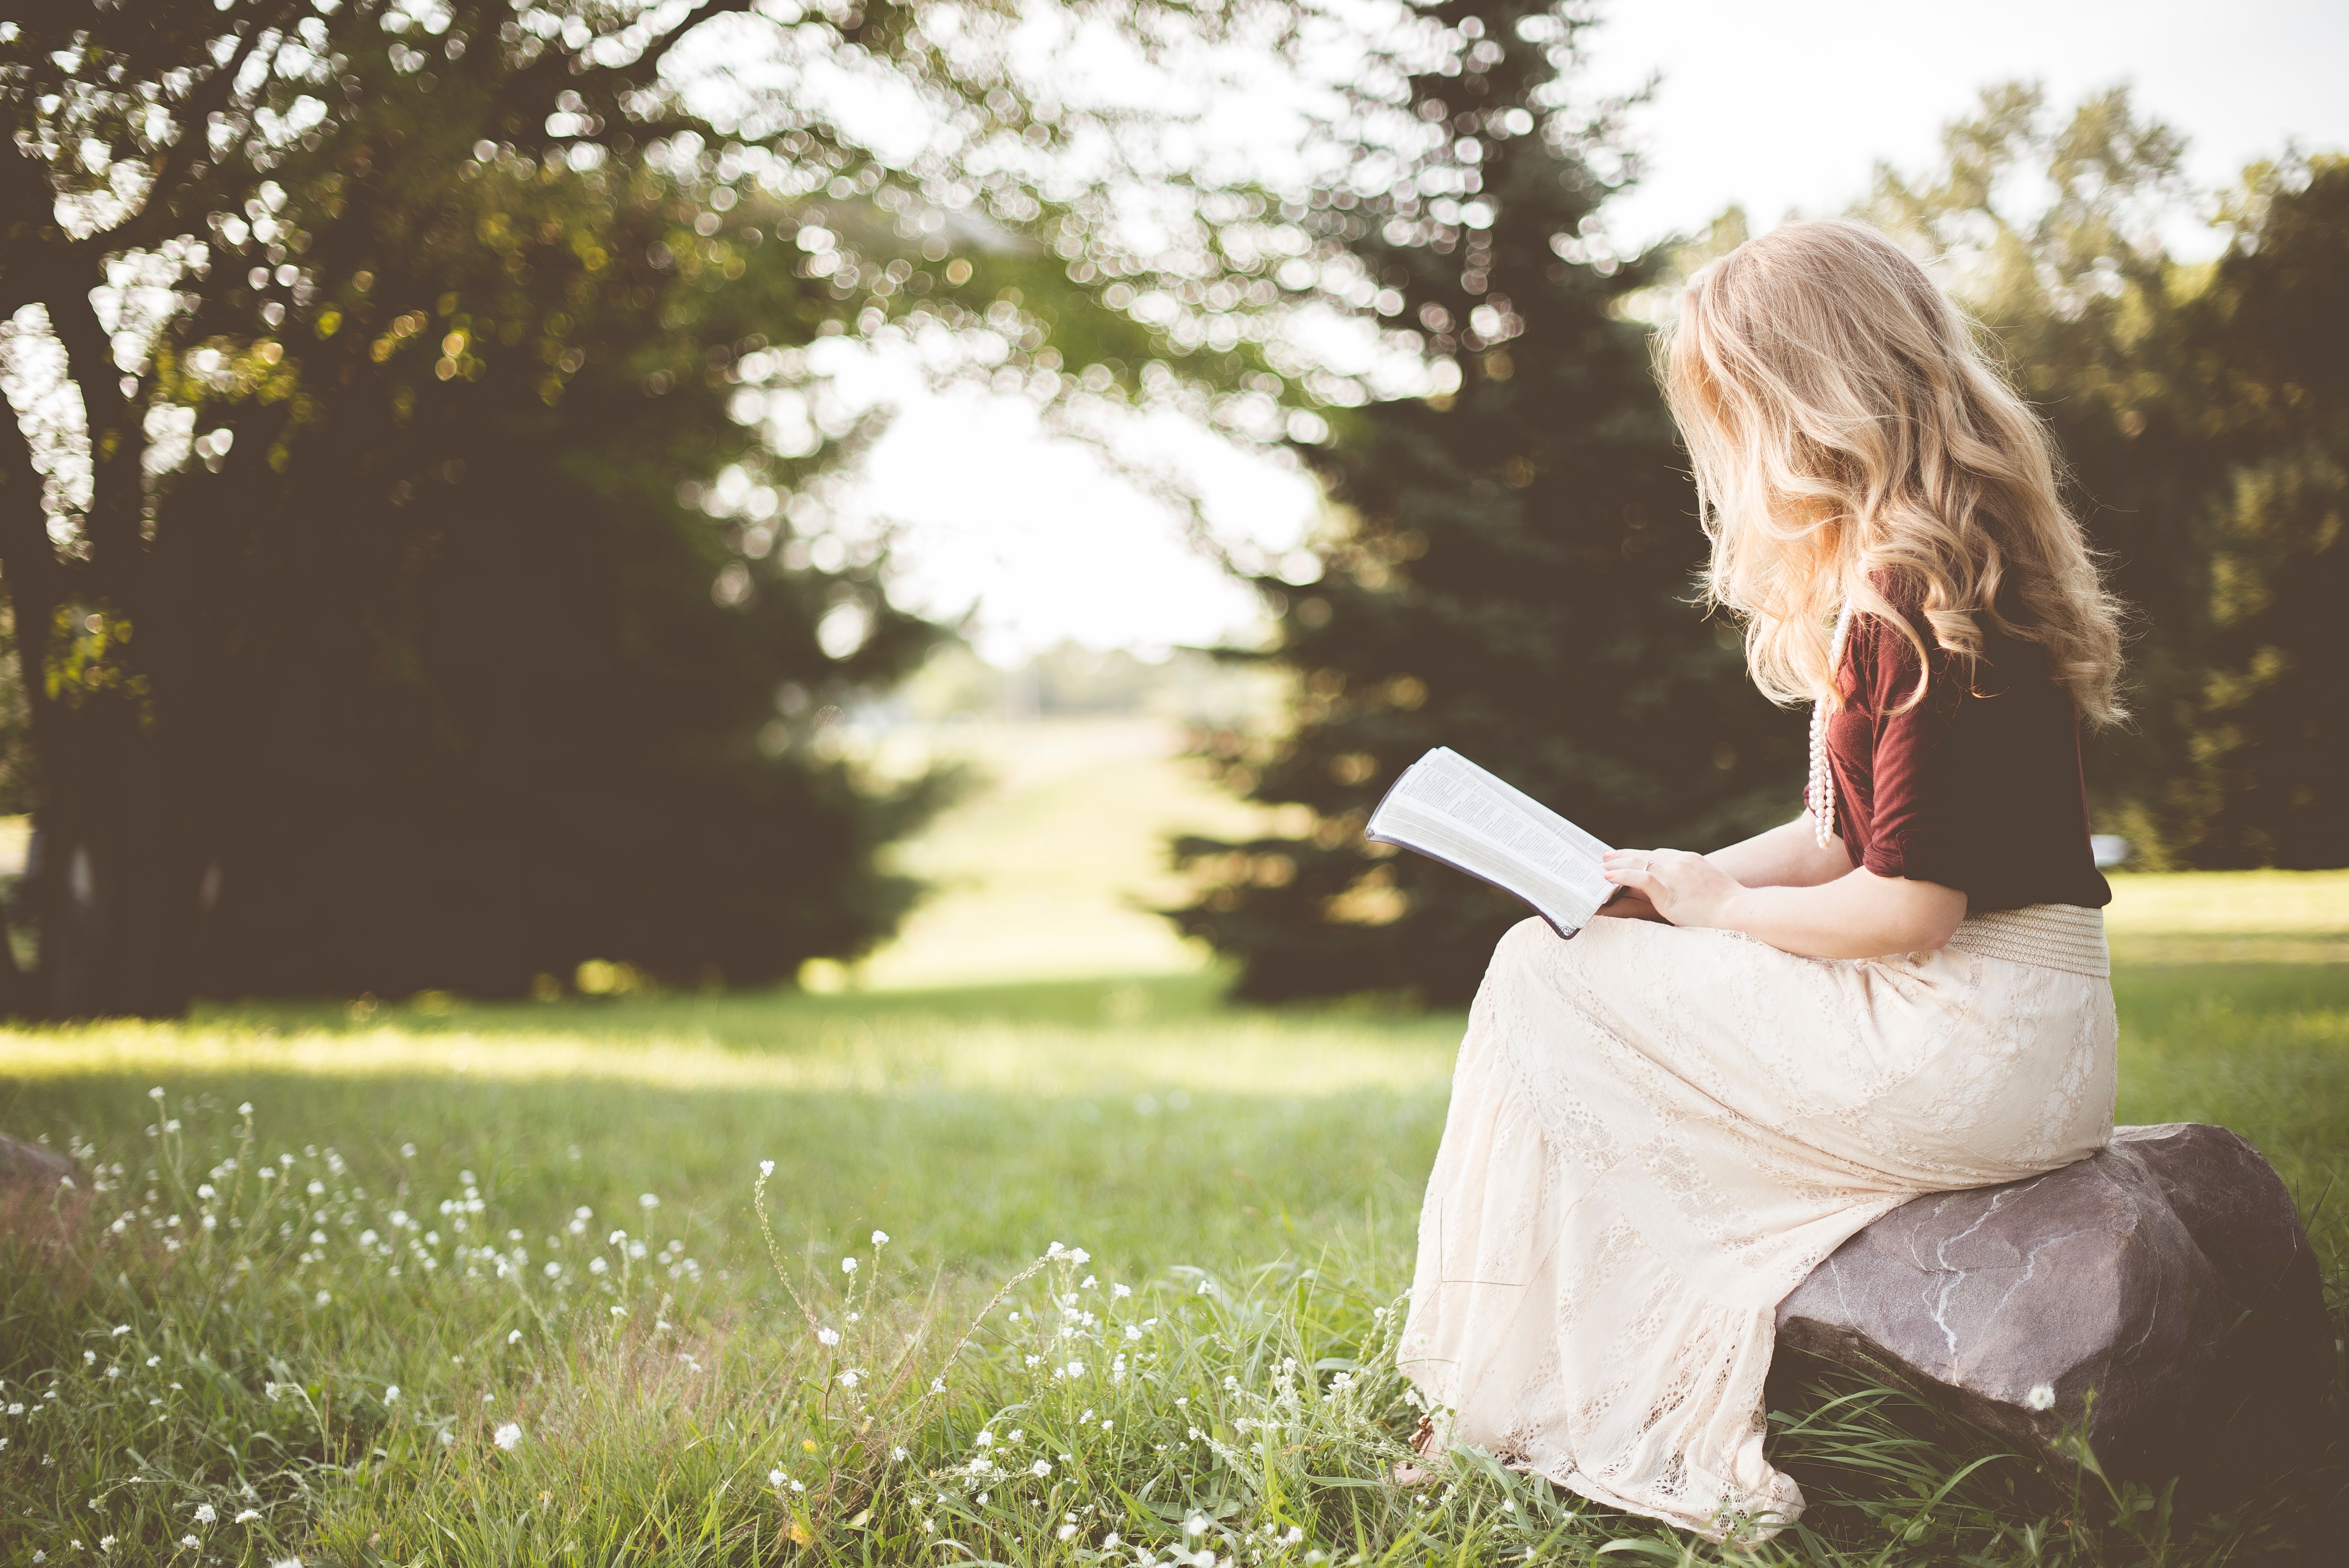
(1849, 438)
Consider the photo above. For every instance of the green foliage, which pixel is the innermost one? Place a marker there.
(459, 625)
(1509, 568)
(463, 470)
(2205, 419)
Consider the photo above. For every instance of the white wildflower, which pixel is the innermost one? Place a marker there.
(1066, 1532)
(827, 1336)
(189, 1541)
(515, 1337)
(766, 1168)
(204, 1514)
(898, 1455)
(249, 1516)
(1120, 1291)
(1040, 1469)
(2041, 1397)
(848, 1265)
(508, 1435)
(774, 1477)
(851, 1377)
(648, 1200)
(391, 1394)
(880, 1238)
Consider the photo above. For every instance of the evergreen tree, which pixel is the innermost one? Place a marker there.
(1509, 569)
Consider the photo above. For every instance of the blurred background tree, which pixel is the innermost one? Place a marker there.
(1510, 561)
(1507, 569)
(2203, 410)
(417, 537)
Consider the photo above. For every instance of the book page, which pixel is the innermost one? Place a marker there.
(1447, 807)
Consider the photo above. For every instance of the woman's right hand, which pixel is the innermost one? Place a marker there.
(1631, 904)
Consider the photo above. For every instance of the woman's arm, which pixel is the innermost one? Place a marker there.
(1788, 855)
(1857, 916)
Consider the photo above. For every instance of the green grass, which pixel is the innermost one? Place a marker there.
(1275, 1158)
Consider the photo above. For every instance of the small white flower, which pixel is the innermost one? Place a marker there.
(508, 1435)
(2041, 1397)
(247, 1517)
(189, 1541)
(774, 1477)
(985, 1440)
(766, 1168)
(850, 1379)
(1120, 1291)
(898, 1455)
(121, 1329)
(391, 1394)
(648, 1200)
(827, 1336)
(515, 1337)
(1040, 1469)
(106, 1543)
(1065, 1531)
(1132, 1332)
(324, 1296)
(798, 1486)
(204, 1514)
(848, 1265)
(1079, 1257)
(287, 1563)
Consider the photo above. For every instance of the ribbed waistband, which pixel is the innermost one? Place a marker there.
(2052, 935)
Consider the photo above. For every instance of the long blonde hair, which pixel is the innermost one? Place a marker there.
(1848, 437)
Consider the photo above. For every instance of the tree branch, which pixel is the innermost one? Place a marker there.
(195, 114)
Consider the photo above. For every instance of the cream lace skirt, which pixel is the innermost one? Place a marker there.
(1656, 1133)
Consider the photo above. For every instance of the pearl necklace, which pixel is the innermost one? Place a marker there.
(1822, 776)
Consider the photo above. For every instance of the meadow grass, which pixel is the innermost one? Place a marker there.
(544, 1216)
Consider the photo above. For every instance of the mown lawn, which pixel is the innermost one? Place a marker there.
(1252, 1176)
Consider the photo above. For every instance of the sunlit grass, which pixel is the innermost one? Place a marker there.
(1279, 1153)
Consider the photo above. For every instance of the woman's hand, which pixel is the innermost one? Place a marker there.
(1683, 888)
(1857, 916)
(1631, 904)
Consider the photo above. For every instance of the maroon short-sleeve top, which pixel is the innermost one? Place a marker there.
(1978, 787)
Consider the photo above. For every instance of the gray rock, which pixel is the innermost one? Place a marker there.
(2168, 1273)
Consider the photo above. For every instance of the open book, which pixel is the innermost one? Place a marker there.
(1450, 809)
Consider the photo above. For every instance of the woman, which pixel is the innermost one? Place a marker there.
(1658, 1129)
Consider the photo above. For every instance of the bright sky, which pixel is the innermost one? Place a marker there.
(1776, 106)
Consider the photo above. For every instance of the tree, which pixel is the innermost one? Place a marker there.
(1509, 567)
(346, 294)
(2201, 412)
(2268, 723)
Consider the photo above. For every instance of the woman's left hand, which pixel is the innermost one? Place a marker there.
(1685, 889)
